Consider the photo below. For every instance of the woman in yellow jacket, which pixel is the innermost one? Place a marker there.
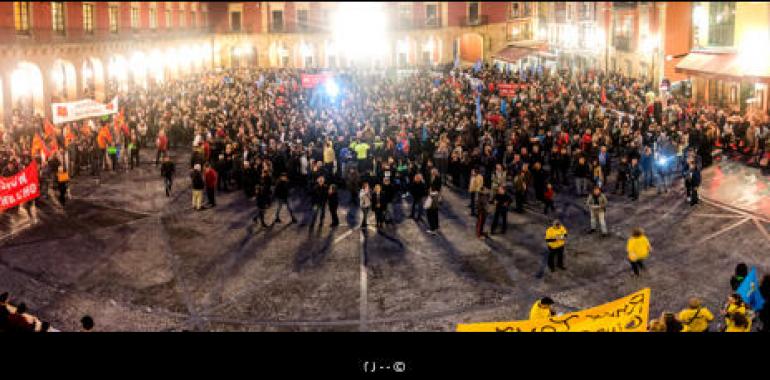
(638, 248)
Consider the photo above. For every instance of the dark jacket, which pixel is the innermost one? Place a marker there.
(282, 190)
(418, 190)
(197, 180)
(320, 193)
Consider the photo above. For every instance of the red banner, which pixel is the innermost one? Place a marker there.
(22, 187)
(313, 80)
(509, 89)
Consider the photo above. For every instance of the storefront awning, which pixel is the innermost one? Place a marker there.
(513, 54)
(722, 66)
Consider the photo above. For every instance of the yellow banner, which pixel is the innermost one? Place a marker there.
(627, 314)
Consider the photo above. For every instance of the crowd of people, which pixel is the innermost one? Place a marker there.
(379, 137)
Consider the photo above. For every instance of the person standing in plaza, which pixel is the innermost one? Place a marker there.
(638, 248)
(555, 238)
(502, 201)
(482, 210)
(431, 210)
(167, 170)
(476, 183)
(263, 202)
(634, 173)
(211, 184)
(365, 202)
(62, 181)
(198, 184)
(318, 199)
(333, 201)
(161, 145)
(692, 181)
(520, 191)
(281, 195)
(417, 189)
(597, 206)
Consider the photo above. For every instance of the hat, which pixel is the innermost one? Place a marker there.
(197, 167)
(546, 301)
(556, 222)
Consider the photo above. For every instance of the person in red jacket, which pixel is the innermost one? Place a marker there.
(162, 145)
(210, 177)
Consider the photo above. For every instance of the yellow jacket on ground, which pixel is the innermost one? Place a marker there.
(695, 320)
(557, 233)
(538, 312)
(638, 248)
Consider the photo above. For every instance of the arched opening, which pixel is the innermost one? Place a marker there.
(306, 55)
(184, 60)
(139, 65)
(92, 73)
(27, 89)
(155, 67)
(431, 51)
(471, 47)
(278, 54)
(332, 55)
(172, 64)
(63, 81)
(403, 58)
(117, 74)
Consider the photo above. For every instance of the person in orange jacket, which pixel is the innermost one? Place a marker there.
(103, 139)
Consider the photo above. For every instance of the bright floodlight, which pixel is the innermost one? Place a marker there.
(331, 88)
(359, 29)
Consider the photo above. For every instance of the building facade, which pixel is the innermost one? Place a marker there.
(64, 51)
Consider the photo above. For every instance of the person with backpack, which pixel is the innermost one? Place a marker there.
(695, 318)
(502, 200)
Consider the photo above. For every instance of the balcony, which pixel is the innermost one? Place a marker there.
(277, 28)
(623, 4)
(477, 21)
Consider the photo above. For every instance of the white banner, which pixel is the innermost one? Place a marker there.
(82, 109)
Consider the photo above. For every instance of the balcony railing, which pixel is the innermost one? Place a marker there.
(475, 21)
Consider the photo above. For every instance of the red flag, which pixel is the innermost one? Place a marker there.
(37, 145)
(48, 128)
(19, 188)
(604, 96)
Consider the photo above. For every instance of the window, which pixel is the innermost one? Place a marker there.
(586, 9)
(153, 18)
(134, 17)
(182, 18)
(235, 21)
(168, 17)
(622, 32)
(193, 19)
(57, 16)
(431, 15)
(21, 16)
(473, 11)
(277, 23)
(520, 9)
(88, 18)
(302, 20)
(721, 23)
(405, 15)
(205, 19)
(113, 18)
